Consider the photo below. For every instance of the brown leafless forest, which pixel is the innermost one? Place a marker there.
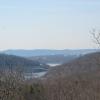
(85, 86)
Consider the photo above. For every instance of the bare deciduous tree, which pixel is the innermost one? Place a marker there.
(96, 37)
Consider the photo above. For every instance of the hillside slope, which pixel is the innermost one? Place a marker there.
(85, 64)
(15, 62)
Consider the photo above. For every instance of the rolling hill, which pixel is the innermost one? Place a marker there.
(89, 63)
(15, 62)
(54, 59)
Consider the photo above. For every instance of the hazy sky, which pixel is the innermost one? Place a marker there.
(51, 24)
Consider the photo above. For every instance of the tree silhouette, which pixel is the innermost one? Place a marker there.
(95, 37)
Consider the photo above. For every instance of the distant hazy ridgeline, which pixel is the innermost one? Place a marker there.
(46, 52)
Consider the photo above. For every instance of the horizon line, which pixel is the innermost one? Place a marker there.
(50, 49)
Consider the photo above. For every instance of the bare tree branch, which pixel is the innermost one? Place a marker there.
(96, 37)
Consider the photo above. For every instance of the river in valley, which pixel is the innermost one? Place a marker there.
(40, 74)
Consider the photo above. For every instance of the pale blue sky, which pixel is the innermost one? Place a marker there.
(50, 24)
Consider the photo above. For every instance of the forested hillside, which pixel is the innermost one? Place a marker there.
(15, 62)
(85, 64)
(77, 80)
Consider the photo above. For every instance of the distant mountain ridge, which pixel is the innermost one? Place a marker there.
(54, 59)
(46, 52)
